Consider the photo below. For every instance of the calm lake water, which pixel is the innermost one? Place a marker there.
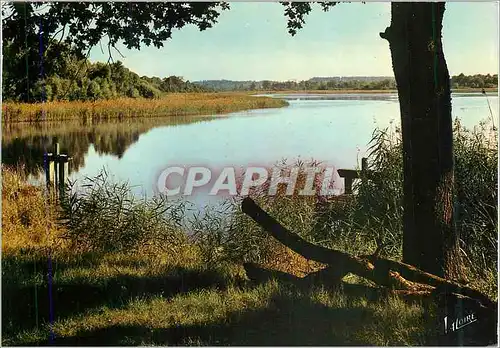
(335, 129)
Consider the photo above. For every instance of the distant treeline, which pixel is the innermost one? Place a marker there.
(474, 81)
(334, 83)
(324, 83)
(68, 76)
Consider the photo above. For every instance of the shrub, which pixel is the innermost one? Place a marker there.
(104, 216)
(148, 91)
(94, 90)
(132, 92)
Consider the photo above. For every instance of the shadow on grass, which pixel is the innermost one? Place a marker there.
(287, 321)
(23, 305)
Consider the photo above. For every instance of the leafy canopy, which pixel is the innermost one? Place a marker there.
(39, 36)
(84, 24)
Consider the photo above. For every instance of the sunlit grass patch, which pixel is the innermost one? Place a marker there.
(29, 217)
(152, 315)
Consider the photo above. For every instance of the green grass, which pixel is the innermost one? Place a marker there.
(123, 300)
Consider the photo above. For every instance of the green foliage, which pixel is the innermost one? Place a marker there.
(296, 11)
(41, 91)
(94, 90)
(46, 45)
(147, 90)
(337, 83)
(81, 80)
(333, 83)
(133, 23)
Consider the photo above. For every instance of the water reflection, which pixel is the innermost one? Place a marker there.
(26, 143)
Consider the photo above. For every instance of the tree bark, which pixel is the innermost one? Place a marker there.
(430, 240)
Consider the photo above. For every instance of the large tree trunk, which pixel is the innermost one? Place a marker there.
(430, 239)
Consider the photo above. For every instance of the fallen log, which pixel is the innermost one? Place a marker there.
(382, 271)
(341, 260)
(259, 274)
(328, 276)
(411, 273)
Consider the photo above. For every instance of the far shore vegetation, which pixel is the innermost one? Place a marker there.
(174, 104)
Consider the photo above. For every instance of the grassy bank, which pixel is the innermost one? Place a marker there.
(123, 270)
(175, 104)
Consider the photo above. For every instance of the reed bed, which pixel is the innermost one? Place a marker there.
(29, 217)
(175, 104)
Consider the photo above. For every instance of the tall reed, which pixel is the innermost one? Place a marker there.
(175, 104)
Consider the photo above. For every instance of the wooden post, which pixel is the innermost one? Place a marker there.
(55, 155)
(49, 169)
(348, 185)
(56, 170)
(349, 175)
(63, 173)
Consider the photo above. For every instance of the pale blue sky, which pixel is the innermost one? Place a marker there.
(251, 42)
